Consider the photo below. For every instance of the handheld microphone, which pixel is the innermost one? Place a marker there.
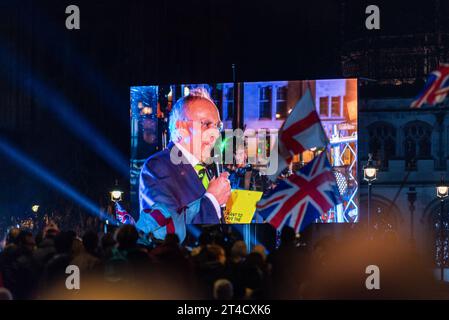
(219, 168)
(218, 164)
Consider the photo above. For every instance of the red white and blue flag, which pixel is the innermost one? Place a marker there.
(302, 130)
(301, 198)
(436, 88)
(122, 215)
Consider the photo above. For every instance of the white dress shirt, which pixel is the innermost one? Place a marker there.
(193, 161)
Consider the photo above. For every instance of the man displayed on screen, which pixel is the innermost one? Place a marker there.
(175, 188)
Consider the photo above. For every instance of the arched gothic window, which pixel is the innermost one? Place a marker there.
(417, 142)
(382, 142)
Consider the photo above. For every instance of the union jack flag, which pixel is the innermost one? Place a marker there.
(122, 215)
(302, 130)
(436, 88)
(301, 198)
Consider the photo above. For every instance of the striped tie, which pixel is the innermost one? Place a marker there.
(201, 172)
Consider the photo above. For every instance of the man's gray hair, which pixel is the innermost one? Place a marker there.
(178, 111)
(223, 289)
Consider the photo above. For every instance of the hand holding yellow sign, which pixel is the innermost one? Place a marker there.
(241, 206)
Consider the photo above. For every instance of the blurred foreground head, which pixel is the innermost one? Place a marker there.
(223, 290)
(12, 236)
(51, 230)
(238, 251)
(288, 236)
(215, 253)
(127, 236)
(25, 240)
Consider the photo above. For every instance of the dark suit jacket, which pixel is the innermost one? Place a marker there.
(171, 195)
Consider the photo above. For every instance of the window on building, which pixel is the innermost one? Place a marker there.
(324, 106)
(382, 142)
(336, 107)
(265, 102)
(281, 103)
(417, 142)
(229, 103)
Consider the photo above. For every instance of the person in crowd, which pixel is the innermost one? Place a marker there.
(254, 275)
(199, 254)
(46, 248)
(174, 261)
(8, 255)
(11, 239)
(87, 259)
(213, 268)
(242, 174)
(223, 290)
(235, 268)
(108, 243)
(288, 265)
(54, 270)
(260, 249)
(170, 251)
(18, 267)
(204, 239)
(127, 260)
(322, 250)
(77, 247)
(90, 243)
(5, 294)
(238, 252)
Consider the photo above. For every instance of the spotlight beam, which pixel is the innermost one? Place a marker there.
(52, 100)
(78, 64)
(47, 177)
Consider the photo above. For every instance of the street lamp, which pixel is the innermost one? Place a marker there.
(116, 194)
(442, 192)
(369, 170)
(35, 208)
(369, 175)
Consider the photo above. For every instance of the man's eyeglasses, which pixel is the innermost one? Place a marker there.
(211, 125)
(205, 125)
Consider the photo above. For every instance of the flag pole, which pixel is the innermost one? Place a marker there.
(238, 123)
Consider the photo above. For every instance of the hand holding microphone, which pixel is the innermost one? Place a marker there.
(220, 188)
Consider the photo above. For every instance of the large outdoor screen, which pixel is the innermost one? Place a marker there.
(255, 114)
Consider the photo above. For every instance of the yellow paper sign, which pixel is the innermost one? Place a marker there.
(241, 206)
